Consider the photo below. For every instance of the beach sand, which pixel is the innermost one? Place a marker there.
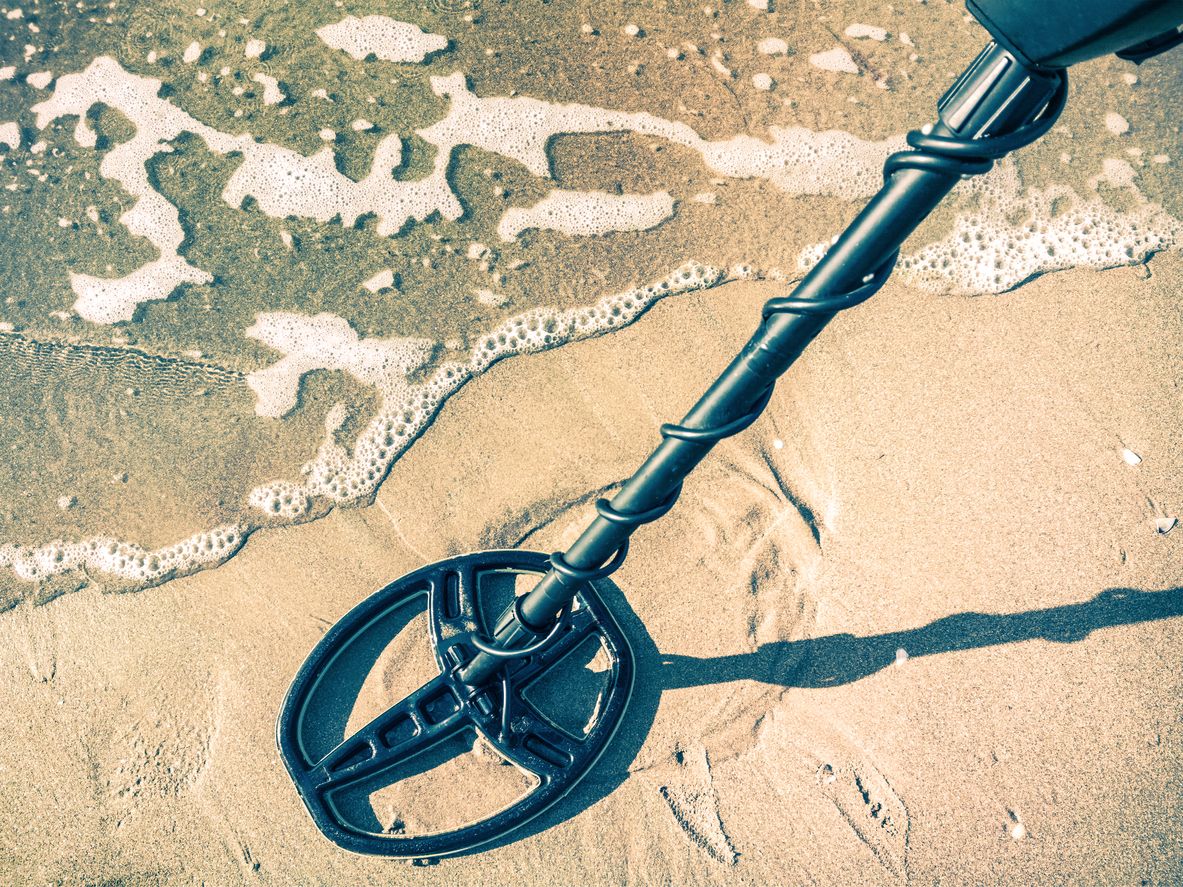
(950, 483)
(921, 623)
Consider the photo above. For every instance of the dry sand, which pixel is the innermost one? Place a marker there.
(950, 483)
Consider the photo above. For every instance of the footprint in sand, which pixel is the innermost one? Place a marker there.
(871, 808)
(750, 543)
(688, 789)
(151, 753)
(846, 781)
(746, 541)
(38, 643)
(161, 757)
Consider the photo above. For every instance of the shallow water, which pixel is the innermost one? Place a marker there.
(151, 431)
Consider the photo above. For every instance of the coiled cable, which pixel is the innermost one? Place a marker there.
(947, 155)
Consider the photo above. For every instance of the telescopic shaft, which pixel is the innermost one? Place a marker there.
(997, 105)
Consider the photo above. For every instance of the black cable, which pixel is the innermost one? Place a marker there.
(948, 155)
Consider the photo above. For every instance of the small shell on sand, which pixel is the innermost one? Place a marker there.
(382, 280)
(10, 134)
(1130, 457)
(872, 32)
(1116, 124)
(836, 59)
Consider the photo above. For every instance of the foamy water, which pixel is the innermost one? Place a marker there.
(599, 206)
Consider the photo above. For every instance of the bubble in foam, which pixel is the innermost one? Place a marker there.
(281, 500)
(989, 252)
(811, 255)
(587, 213)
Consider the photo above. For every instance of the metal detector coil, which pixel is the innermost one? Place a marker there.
(500, 713)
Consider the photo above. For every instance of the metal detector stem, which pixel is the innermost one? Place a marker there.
(481, 691)
(997, 105)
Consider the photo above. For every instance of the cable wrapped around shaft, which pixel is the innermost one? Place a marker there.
(943, 154)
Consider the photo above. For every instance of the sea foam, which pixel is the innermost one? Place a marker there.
(1013, 234)
(285, 183)
(1016, 234)
(327, 342)
(586, 213)
(382, 37)
(338, 475)
(157, 122)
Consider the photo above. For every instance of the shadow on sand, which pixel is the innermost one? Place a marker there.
(821, 662)
(829, 661)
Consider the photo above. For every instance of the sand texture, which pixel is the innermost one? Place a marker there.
(960, 496)
(286, 316)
